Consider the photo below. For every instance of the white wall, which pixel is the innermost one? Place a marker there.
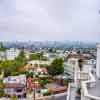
(98, 61)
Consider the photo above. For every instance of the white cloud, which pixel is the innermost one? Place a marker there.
(49, 19)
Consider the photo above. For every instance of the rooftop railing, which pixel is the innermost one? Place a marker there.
(89, 84)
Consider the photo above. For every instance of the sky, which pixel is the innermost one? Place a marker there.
(50, 20)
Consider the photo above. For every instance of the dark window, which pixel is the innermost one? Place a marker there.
(19, 90)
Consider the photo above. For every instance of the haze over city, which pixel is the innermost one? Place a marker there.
(49, 20)
(49, 49)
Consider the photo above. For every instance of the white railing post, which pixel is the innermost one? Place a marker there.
(68, 92)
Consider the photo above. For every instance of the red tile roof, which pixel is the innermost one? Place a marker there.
(60, 89)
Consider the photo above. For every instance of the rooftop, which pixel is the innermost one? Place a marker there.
(95, 91)
(14, 85)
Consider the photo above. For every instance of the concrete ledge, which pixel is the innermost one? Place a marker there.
(52, 96)
(85, 90)
(42, 98)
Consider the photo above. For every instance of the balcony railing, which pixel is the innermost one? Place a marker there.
(89, 84)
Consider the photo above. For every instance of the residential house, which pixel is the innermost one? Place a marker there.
(15, 85)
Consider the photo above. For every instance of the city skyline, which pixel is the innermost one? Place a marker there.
(52, 20)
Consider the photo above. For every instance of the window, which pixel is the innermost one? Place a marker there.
(19, 90)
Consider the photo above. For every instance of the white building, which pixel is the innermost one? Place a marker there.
(98, 61)
(87, 81)
(15, 85)
(12, 53)
(15, 79)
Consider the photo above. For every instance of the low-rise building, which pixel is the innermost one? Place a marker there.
(15, 85)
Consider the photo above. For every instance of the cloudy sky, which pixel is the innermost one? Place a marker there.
(50, 20)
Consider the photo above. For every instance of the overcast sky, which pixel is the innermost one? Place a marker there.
(50, 20)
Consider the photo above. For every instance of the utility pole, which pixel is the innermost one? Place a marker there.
(34, 92)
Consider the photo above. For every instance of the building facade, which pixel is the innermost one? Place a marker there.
(12, 53)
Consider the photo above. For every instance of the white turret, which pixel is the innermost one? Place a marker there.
(98, 61)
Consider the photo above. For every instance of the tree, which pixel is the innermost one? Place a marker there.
(21, 57)
(38, 56)
(2, 93)
(13, 67)
(56, 67)
(7, 67)
(20, 60)
(34, 57)
(52, 50)
(2, 48)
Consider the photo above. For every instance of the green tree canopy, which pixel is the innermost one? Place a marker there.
(21, 57)
(7, 66)
(38, 56)
(56, 67)
(11, 66)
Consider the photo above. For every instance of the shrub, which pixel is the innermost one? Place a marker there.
(49, 92)
(15, 73)
(45, 81)
(2, 94)
(13, 97)
(50, 81)
(41, 82)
